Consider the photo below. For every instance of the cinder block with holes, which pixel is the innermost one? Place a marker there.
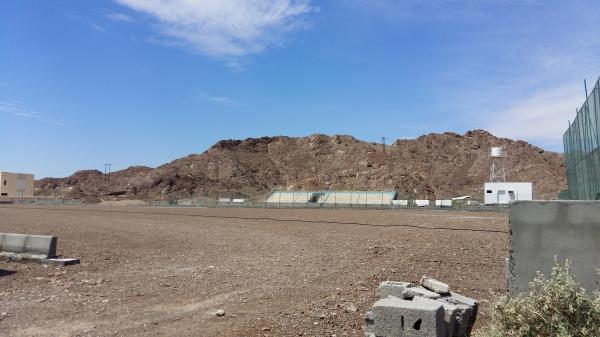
(419, 317)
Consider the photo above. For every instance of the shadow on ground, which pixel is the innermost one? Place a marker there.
(6, 272)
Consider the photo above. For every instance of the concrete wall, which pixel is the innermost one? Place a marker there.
(540, 230)
(15, 185)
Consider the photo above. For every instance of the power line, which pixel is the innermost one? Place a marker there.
(447, 228)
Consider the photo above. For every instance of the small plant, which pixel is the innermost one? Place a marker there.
(554, 307)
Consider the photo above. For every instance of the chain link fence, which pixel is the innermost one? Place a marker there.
(225, 202)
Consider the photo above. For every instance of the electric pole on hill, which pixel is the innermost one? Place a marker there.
(106, 171)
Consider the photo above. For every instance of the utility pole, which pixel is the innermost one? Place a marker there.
(107, 170)
(217, 171)
(217, 176)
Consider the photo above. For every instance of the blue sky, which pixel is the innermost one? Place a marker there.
(142, 82)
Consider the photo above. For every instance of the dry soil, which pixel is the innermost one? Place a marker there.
(275, 272)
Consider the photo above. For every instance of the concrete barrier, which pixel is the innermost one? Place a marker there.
(41, 246)
(31, 248)
(541, 230)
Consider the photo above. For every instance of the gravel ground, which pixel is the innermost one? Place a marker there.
(274, 272)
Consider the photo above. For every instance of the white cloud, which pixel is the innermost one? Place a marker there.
(225, 28)
(119, 17)
(224, 100)
(96, 27)
(541, 118)
(202, 95)
(19, 110)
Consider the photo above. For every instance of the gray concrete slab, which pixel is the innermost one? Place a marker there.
(541, 230)
(12, 257)
(393, 288)
(411, 292)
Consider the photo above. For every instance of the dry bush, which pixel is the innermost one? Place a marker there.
(556, 307)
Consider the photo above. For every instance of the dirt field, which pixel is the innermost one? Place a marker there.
(275, 272)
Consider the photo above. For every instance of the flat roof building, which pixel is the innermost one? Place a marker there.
(16, 185)
(502, 193)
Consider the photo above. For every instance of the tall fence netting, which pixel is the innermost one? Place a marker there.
(582, 150)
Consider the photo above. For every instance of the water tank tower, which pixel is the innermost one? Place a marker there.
(497, 152)
(497, 170)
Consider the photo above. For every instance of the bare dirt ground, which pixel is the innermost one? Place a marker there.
(275, 272)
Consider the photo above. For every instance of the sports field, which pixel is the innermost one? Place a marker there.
(275, 272)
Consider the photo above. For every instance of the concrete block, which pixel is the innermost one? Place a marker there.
(13, 243)
(419, 317)
(12, 257)
(31, 245)
(404, 290)
(41, 245)
(31, 248)
(450, 313)
(369, 322)
(392, 288)
(409, 293)
(541, 230)
(434, 285)
(391, 315)
(465, 314)
(460, 299)
(60, 261)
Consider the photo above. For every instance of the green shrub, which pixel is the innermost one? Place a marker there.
(555, 307)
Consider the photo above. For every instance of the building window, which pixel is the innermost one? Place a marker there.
(488, 191)
(4, 182)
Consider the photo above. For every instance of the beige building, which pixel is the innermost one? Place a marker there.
(16, 185)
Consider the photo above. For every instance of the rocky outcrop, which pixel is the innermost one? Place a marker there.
(428, 167)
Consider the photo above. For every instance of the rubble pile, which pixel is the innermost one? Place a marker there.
(426, 310)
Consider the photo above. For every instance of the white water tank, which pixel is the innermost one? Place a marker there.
(497, 152)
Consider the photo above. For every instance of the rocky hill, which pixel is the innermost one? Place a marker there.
(428, 167)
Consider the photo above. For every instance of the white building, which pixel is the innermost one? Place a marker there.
(16, 185)
(422, 203)
(501, 193)
(443, 203)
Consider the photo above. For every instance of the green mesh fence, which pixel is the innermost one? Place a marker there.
(582, 150)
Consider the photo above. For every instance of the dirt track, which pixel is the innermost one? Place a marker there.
(164, 272)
